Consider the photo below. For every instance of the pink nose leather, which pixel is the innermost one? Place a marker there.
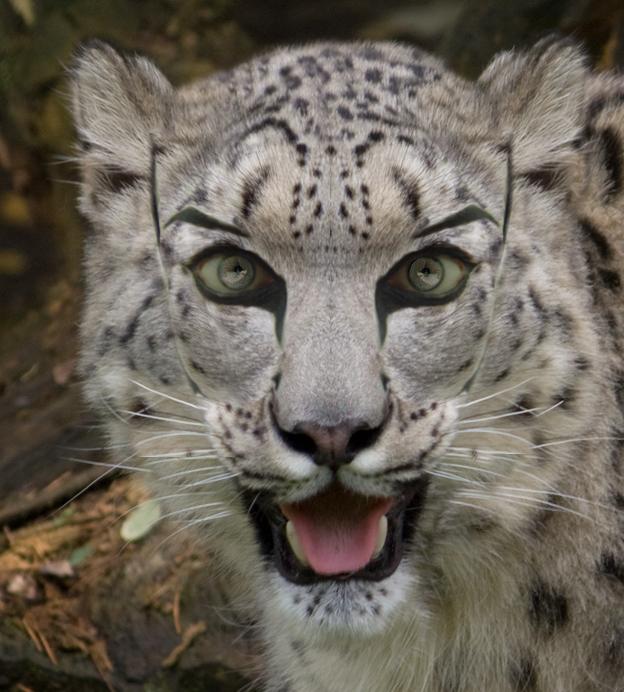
(331, 442)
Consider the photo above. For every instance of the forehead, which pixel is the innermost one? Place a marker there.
(330, 146)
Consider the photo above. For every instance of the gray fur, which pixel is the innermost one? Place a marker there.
(334, 158)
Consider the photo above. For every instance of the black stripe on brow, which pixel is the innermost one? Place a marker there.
(464, 216)
(612, 151)
(199, 218)
(251, 191)
(409, 189)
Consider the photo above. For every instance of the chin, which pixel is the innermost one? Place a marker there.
(359, 607)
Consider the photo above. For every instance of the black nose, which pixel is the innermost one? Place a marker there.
(331, 445)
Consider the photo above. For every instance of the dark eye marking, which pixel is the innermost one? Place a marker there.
(199, 218)
(464, 216)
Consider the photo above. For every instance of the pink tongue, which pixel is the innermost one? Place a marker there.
(337, 530)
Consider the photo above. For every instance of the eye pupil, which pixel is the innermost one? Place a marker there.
(235, 272)
(426, 273)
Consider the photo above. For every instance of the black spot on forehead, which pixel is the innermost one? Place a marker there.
(252, 190)
(344, 113)
(409, 190)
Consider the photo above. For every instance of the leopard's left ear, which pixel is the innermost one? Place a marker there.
(539, 97)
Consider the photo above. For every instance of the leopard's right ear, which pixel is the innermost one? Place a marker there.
(540, 97)
(120, 105)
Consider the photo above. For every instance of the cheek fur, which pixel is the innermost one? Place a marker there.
(232, 350)
(429, 358)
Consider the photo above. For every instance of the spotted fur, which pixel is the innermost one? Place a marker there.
(334, 158)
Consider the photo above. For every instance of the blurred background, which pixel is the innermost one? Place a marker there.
(59, 624)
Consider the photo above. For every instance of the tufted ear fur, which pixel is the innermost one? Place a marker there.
(539, 97)
(119, 104)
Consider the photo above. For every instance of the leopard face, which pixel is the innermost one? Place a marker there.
(339, 313)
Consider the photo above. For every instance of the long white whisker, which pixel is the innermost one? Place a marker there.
(165, 435)
(123, 467)
(186, 510)
(138, 414)
(210, 480)
(168, 396)
(574, 439)
(527, 501)
(494, 431)
(453, 477)
(502, 452)
(550, 408)
(92, 483)
(491, 396)
(203, 520)
(168, 460)
(564, 496)
(178, 455)
(507, 415)
(473, 468)
(187, 472)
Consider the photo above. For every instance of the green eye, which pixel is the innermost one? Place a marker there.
(426, 273)
(229, 274)
(435, 276)
(235, 273)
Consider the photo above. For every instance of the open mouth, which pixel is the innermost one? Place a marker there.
(337, 534)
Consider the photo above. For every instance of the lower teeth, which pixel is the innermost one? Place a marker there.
(293, 541)
(382, 533)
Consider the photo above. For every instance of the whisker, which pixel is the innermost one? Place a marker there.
(123, 467)
(551, 408)
(473, 468)
(165, 435)
(186, 510)
(187, 525)
(524, 411)
(156, 462)
(453, 477)
(491, 396)
(138, 414)
(178, 455)
(524, 501)
(168, 396)
(89, 485)
(187, 472)
(502, 452)
(209, 481)
(93, 449)
(565, 496)
(494, 431)
(575, 439)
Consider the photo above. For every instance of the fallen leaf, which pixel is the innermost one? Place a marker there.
(141, 521)
(80, 555)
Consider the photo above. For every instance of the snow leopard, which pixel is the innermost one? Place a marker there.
(361, 321)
